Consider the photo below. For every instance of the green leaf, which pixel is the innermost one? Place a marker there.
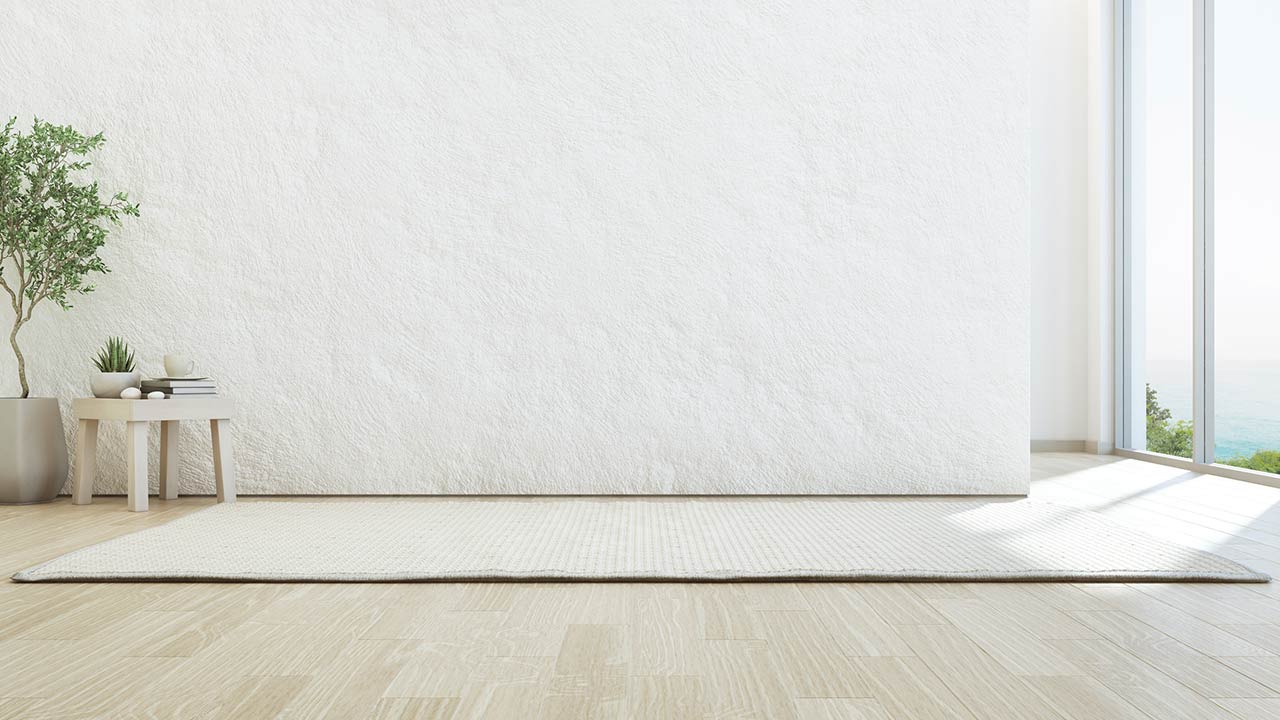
(115, 356)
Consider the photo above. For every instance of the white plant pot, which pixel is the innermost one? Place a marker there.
(109, 385)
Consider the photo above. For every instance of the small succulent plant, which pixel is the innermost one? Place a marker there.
(114, 357)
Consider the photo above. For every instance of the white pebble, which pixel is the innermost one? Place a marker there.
(130, 394)
(155, 395)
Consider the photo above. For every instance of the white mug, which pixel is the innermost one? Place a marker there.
(178, 365)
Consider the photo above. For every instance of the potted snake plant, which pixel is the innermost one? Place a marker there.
(53, 222)
(116, 370)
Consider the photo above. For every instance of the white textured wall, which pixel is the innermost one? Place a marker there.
(1059, 205)
(561, 246)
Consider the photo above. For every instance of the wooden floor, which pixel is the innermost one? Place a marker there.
(662, 650)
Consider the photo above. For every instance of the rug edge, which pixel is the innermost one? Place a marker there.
(31, 575)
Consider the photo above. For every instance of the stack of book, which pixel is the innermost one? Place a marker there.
(180, 387)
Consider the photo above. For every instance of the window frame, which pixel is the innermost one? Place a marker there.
(1130, 410)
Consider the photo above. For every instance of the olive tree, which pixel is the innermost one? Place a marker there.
(52, 221)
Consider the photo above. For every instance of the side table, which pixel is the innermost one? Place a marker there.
(138, 416)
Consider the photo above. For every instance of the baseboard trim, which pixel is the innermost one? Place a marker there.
(1099, 448)
(1041, 446)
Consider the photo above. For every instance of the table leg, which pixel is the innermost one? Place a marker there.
(137, 450)
(224, 469)
(86, 462)
(169, 459)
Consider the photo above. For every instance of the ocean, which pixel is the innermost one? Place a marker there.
(1247, 416)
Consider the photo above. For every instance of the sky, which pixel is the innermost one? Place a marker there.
(1247, 181)
(1247, 157)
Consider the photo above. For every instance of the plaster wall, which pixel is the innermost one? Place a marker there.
(572, 247)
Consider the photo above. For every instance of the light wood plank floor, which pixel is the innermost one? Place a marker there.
(662, 650)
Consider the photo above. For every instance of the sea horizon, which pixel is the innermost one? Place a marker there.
(1247, 412)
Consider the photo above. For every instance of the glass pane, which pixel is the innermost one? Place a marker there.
(1161, 186)
(1247, 233)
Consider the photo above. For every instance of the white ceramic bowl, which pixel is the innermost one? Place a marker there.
(109, 385)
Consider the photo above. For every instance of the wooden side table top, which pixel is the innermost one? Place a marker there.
(173, 408)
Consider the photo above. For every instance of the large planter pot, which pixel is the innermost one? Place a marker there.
(109, 385)
(33, 450)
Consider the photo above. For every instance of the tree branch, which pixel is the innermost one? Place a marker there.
(13, 298)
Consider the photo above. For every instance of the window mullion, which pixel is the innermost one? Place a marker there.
(1202, 393)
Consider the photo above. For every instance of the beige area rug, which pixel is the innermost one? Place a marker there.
(640, 539)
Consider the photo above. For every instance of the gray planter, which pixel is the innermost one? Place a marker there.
(33, 450)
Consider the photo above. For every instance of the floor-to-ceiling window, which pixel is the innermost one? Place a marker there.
(1161, 172)
(1246, 218)
(1199, 276)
